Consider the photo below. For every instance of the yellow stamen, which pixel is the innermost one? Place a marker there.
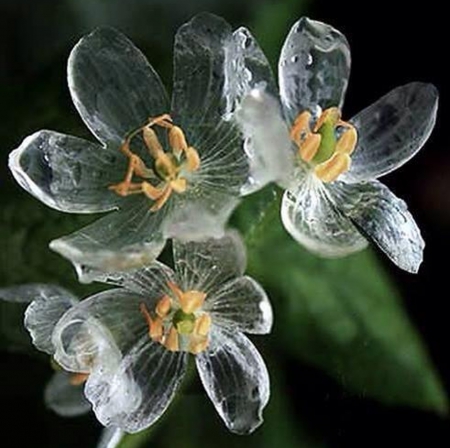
(198, 345)
(347, 142)
(171, 342)
(300, 129)
(163, 198)
(192, 159)
(168, 165)
(330, 157)
(179, 185)
(155, 326)
(330, 170)
(164, 120)
(77, 379)
(308, 149)
(203, 325)
(177, 140)
(152, 142)
(163, 306)
(333, 114)
(191, 301)
(175, 289)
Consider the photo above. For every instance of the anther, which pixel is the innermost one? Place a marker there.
(177, 140)
(203, 325)
(192, 159)
(331, 169)
(301, 128)
(171, 342)
(163, 306)
(347, 142)
(152, 142)
(309, 147)
(191, 301)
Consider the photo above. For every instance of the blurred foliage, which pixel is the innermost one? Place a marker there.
(341, 315)
(13, 336)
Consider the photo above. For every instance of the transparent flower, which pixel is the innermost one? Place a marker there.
(133, 342)
(169, 169)
(329, 166)
(64, 392)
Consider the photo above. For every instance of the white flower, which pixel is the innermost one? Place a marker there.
(170, 169)
(329, 166)
(133, 342)
(64, 393)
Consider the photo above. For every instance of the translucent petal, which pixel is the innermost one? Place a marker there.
(101, 329)
(314, 68)
(384, 219)
(241, 304)
(246, 68)
(65, 398)
(236, 380)
(268, 145)
(199, 104)
(206, 265)
(155, 374)
(29, 292)
(68, 173)
(110, 438)
(113, 86)
(123, 240)
(49, 304)
(310, 215)
(147, 281)
(392, 130)
(203, 212)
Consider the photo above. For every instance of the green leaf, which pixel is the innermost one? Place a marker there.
(342, 315)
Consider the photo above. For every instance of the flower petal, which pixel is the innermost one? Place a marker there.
(314, 68)
(99, 330)
(202, 212)
(383, 218)
(110, 438)
(199, 102)
(241, 304)
(206, 265)
(49, 304)
(146, 281)
(312, 218)
(268, 145)
(64, 398)
(236, 380)
(246, 68)
(67, 173)
(155, 374)
(123, 240)
(29, 292)
(113, 86)
(392, 130)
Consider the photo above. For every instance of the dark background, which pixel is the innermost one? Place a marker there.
(392, 43)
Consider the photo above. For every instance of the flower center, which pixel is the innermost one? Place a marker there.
(168, 173)
(328, 145)
(178, 321)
